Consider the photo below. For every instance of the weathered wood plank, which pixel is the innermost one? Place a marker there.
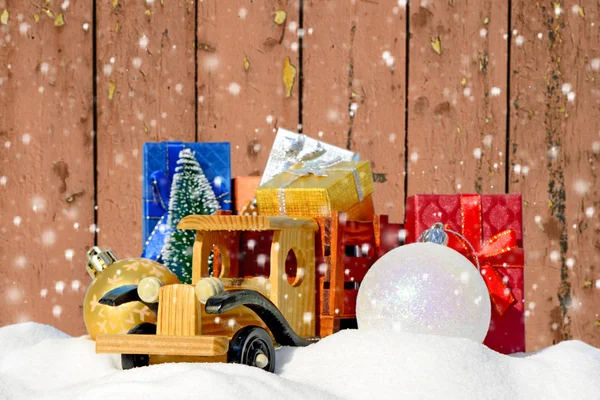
(46, 162)
(554, 124)
(354, 76)
(457, 96)
(241, 94)
(146, 77)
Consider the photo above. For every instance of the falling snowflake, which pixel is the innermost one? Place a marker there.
(388, 58)
(75, 285)
(414, 157)
(581, 187)
(496, 91)
(483, 32)
(69, 253)
(519, 41)
(38, 203)
(570, 262)
(242, 13)
(477, 153)
(86, 26)
(234, 89)
(107, 69)
(595, 64)
(333, 115)
(17, 220)
(517, 169)
(554, 256)
(179, 88)
(589, 212)
(487, 140)
(144, 42)
(44, 293)
(261, 260)
(307, 317)
(59, 287)
(14, 295)
(56, 311)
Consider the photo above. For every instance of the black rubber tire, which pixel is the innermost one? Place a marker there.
(129, 361)
(248, 343)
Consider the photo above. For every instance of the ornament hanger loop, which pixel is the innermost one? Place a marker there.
(437, 234)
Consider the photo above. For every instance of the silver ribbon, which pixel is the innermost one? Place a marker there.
(316, 167)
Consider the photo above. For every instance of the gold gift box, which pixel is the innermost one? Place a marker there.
(309, 195)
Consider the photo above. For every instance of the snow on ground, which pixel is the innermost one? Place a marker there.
(40, 362)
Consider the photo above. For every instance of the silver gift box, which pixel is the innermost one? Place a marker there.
(291, 148)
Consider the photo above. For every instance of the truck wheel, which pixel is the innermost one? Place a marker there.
(129, 361)
(252, 346)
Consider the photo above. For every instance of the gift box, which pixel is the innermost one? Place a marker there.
(493, 226)
(159, 162)
(290, 148)
(243, 191)
(315, 189)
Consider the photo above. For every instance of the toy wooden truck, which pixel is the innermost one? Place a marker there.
(274, 280)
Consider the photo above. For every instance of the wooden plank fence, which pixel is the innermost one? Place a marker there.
(452, 96)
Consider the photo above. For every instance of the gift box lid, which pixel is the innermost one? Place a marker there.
(289, 148)
(341, 186)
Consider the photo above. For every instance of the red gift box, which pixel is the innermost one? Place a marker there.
(493, 225)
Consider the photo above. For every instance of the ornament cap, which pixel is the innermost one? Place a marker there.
(436, 234)
(98, 259)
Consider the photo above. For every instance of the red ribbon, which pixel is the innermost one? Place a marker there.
(500, 251)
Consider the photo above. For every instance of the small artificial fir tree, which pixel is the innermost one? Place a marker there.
(191, 194)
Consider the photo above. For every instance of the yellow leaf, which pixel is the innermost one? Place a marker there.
(486, 20)
(581, 12)
(59, 20)
(48, 12)
(117, 27)
(4, 17)
(280, 17)
(36, 17)
(437, 45)
(115, 3)
(148, 12)
(289, 76)
(463, 81)
(246, 63)
(112, 86)
(162, 2)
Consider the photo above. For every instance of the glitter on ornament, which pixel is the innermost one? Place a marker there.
(452, 301)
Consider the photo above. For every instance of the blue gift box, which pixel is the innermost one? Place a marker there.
(160, 160)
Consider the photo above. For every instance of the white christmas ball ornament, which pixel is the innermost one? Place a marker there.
(425, 288)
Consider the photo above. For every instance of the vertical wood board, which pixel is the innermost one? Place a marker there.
(146, 76)
(555, 147)
(354, 65)
(46, 162)
(457, 96)
(242, 97)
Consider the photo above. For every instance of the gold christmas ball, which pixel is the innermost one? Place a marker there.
(108, 273)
